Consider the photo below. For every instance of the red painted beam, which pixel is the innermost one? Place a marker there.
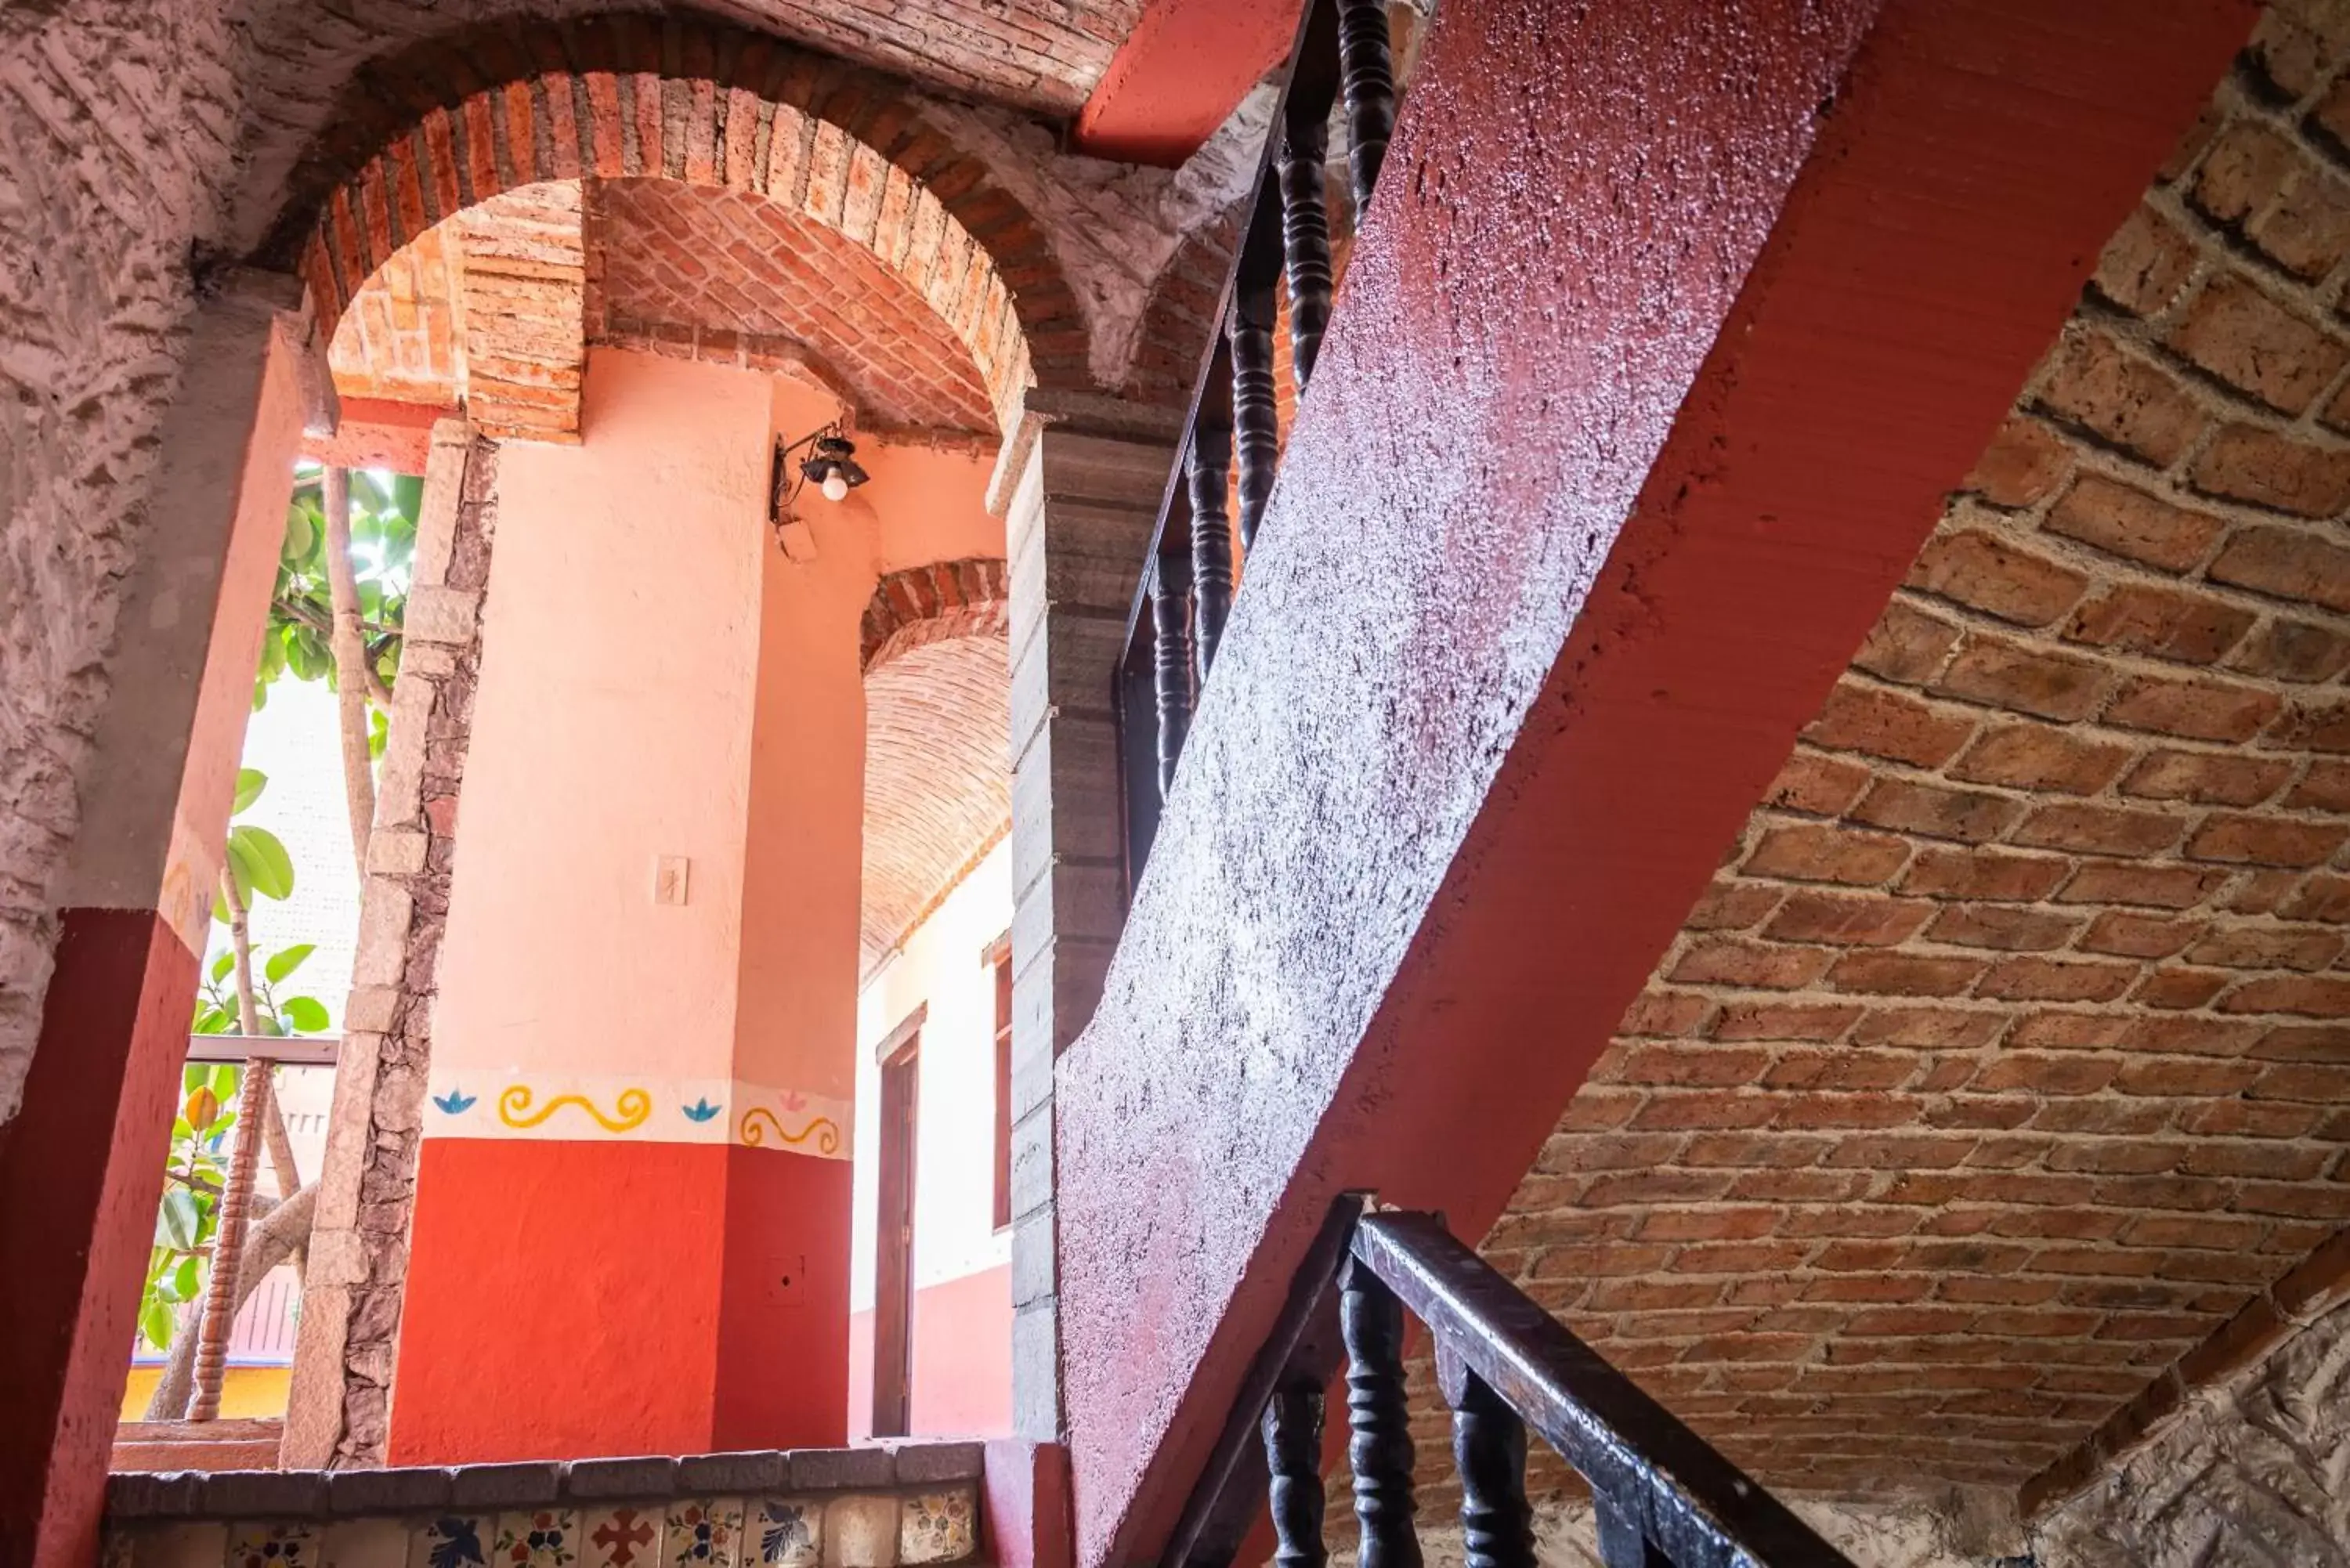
(379, 432)
(81, 1171)
(1565, 550)
(1179, 74)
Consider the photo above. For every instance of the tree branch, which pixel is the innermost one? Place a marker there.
(352, 667)
(283, 1227)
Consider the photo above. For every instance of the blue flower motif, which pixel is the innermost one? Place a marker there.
(784, 1532)
(456, 1102)
(456, 1542)
(702, 1110)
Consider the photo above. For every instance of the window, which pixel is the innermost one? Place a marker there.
(998, 955)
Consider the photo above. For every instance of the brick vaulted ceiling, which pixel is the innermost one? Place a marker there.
(677, 255)
(938, 777)
(2009, 1053)
(701, 271)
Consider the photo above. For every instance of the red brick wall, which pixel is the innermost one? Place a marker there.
(2009, 1055)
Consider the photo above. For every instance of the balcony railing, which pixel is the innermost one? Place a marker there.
(1223, 481)
(1662, 1496)
(281, 1102)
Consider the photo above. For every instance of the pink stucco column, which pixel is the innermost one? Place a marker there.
(81, 1164)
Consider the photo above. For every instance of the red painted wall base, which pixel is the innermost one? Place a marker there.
(961, 1360)
(568, 1299)
(81, 1173)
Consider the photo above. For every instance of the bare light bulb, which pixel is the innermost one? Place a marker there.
(836, 487)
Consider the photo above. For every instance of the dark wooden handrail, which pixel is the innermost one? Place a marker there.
(1674, 1488)
(1223, 473)
(1662, 1496)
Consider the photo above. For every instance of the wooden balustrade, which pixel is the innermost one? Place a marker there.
(1662, 1496)
(1342, 63)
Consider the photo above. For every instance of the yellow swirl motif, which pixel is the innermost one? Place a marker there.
(628, 1112)
(821, 1128)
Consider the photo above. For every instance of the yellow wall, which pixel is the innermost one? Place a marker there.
(244, 1391)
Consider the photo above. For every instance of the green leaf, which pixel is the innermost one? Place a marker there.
(407, 496)
(187, 1279)
(222, 1081)
(379, 732)
(263, 861)
(155, 1323)
(307, 1013)
(178, 1221)
(286, 960)
(301, 535)
(250, 782)
(222, 964)
(303, 656)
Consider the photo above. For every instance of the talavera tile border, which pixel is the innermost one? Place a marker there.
(516, 1103)
(903, 1506)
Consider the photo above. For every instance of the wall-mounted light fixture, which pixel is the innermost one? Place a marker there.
(830, 464)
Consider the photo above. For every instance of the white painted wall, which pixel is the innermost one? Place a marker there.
(954, 1140)
(294, 741)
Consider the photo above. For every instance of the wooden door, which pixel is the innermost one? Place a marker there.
(893, 1246)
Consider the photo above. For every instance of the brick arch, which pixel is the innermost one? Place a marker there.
(466, 116)
(1179, 320)
(923, 604)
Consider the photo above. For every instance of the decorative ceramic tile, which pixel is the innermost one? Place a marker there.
(786, 1531)
(860, 1532)
(452, 1541)
(620, 1537)
(285, 1543)
(542, 1538)
(703, 1534)
(189, 1544)
(365, 1543)
(935, 1527)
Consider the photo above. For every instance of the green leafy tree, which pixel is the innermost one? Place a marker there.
(382, 511)
(194, 1174)
(335, 615)
(233, 1001)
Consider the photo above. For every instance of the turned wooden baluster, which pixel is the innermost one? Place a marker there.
(1370, 1320)
(1170, 647)
(1256, 420)
(1208, 470)
(1621, 1543)
(1299, 166)
(228, 1242)
(1489, 1445)
(1292, 1461)
(1305, 242)
(1365, 66)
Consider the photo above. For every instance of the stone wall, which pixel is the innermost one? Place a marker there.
(115, 120)
(2247, 1470)
(339, 1408)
